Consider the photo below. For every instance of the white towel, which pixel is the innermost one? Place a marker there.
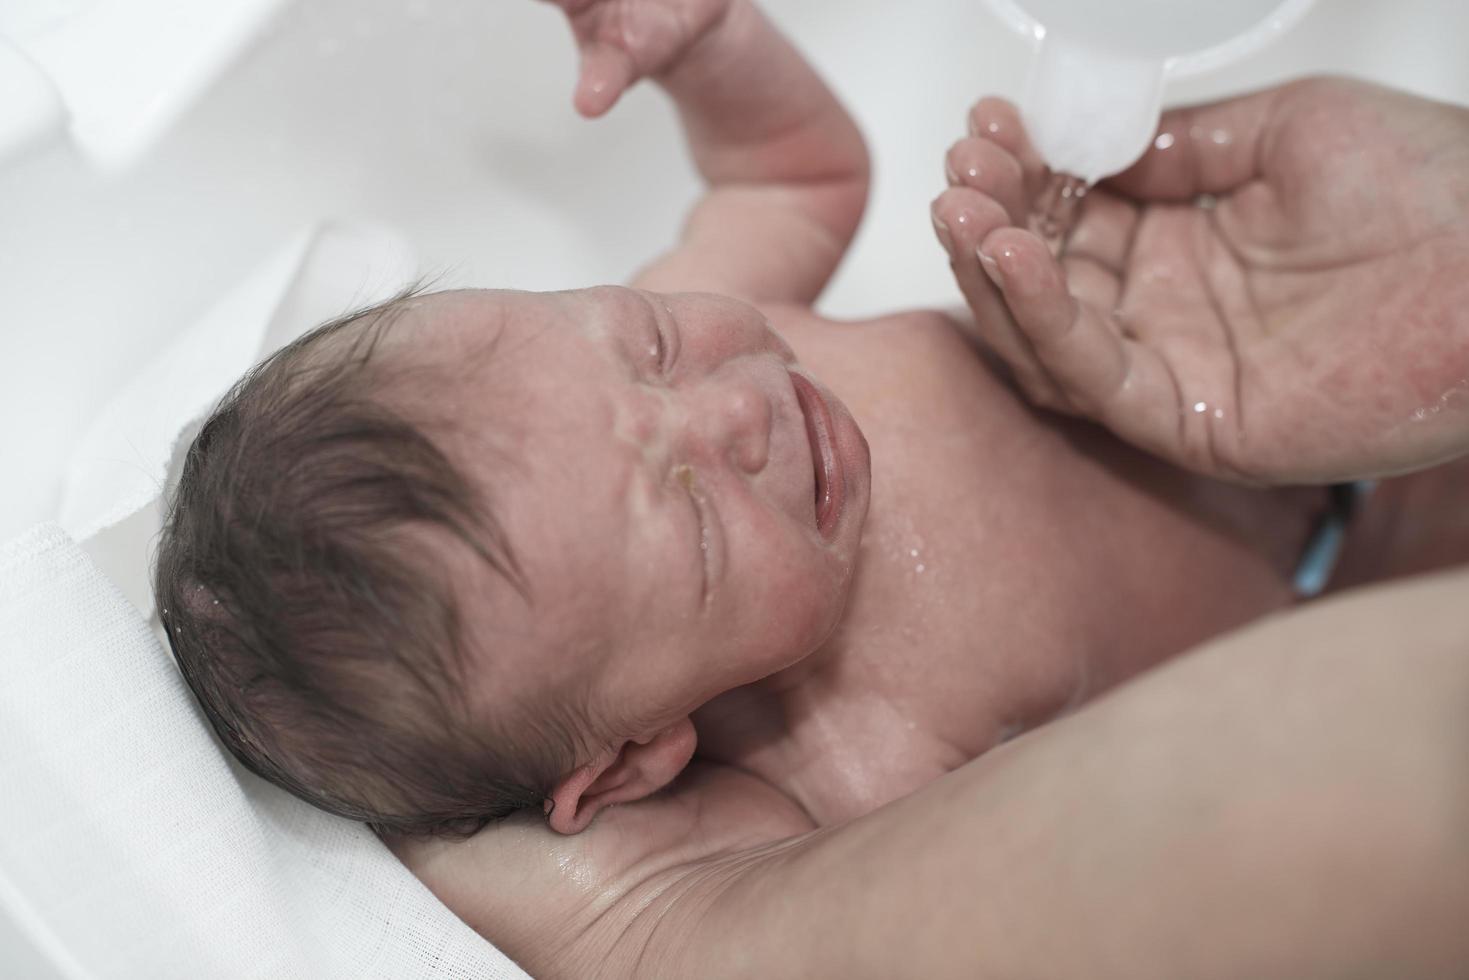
(130, 846)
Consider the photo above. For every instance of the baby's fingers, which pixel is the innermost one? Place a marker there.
(1113, 379)
(606, 72)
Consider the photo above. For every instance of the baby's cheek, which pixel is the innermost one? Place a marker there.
(804, 606)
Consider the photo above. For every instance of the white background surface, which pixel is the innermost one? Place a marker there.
(131, 848)
(449, 120)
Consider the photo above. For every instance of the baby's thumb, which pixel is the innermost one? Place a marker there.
(606, 72)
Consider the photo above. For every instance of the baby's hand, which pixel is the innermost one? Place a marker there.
(1276, 293)
(622, 41)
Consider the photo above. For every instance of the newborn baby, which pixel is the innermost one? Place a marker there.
(472, 552)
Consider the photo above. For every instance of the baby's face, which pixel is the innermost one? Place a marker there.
(685, 503)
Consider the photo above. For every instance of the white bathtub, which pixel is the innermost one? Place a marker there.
(449, 122)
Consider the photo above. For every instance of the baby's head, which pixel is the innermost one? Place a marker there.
(470, 551)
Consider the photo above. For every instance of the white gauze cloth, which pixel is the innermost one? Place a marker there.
(131, 846)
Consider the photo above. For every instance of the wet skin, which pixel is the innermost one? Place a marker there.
(1011, 564)
(1054, 563)
(1014, 565)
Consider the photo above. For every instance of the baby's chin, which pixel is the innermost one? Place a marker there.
(810, 655)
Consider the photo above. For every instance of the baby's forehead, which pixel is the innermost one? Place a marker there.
(458, 323)
(466, 352)
(486, 372)
(497, 361)
(528, 423)
(464, 320)
(446, 353)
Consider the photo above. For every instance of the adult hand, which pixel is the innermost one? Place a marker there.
(1277, 292)
(622, 41)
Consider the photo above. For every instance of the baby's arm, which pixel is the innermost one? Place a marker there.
(786, 166)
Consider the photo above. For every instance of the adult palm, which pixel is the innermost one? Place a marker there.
(1278, 292)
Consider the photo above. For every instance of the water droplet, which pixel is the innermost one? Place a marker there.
(1200, 407)
(919, 568)
(1057, 210)
(1219, 413)
(1164, 141)
(1220, 137)
(912, 552)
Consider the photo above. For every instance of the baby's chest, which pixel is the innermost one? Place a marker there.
(932, 653)
(964, 615)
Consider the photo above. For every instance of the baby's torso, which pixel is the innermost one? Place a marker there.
(1013, 564)
(1053, 564)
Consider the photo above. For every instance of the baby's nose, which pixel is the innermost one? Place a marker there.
(729, 417)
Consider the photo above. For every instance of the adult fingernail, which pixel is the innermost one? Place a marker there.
(942, 231)
(992, 269)
(988, 130)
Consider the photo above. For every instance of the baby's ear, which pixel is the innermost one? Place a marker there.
(641, 767)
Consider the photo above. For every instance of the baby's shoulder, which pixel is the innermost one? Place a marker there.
(903, 333)
(792, 316)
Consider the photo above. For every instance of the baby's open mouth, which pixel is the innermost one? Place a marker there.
(829, 485)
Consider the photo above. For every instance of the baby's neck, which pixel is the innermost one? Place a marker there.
(837, 750)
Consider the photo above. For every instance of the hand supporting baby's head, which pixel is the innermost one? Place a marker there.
(469, 552)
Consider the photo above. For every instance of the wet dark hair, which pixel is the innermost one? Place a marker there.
(306, 608)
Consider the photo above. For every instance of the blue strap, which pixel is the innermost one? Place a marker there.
(1324, 546)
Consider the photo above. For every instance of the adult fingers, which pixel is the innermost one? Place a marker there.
(962, 219)
(1084, 357)
(1122, 383)
(997, 120)
(1104, 231)
(1206, 149)
(985, 166)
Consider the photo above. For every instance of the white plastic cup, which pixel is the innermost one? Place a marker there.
(1095, 90)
